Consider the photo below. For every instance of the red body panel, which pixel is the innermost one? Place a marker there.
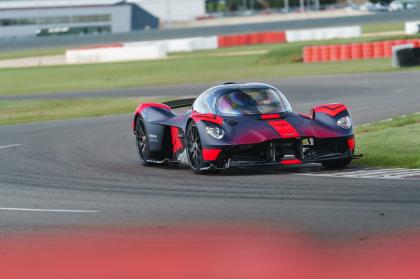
(142, 107)
(211, 154)
(331, 109)
(207, 117)
(285, 129)
(352, 143)
(270, 116)
(177, 144)
(291, 162)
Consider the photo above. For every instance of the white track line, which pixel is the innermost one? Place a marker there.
(383, 173)
(10, 145)
(48, 210)
(369, 173)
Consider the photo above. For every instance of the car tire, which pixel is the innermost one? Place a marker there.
(142, 142)
(336, 164)
(195, 150)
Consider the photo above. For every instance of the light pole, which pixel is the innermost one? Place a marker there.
(168, 12)
(71, 12)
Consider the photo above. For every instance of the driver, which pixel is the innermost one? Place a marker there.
(239, 103)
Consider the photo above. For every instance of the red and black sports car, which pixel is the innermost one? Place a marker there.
(240, 125)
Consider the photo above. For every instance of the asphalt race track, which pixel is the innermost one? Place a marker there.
(85, 173)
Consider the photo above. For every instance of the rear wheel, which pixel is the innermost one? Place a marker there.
(336, 164)
(142, 142)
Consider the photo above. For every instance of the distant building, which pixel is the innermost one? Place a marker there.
(62, 17)
(174, 10)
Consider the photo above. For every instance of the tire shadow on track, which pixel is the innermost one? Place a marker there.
(248, 171)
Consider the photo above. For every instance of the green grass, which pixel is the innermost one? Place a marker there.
(11, 54)
(383, 27)
(392, 143)
(212, 52)
(27, 81)
(27, 111)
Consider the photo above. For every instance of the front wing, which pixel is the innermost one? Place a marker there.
(282, 152)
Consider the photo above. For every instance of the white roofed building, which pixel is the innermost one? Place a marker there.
(174, 10)
(23, 18)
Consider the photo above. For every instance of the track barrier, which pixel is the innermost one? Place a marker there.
(182, 45)
(145, 50)
(353, 51)
(345, 52)
(251, 39)
(323, 34)
(115, 53)
(412, 27)
(405, 55)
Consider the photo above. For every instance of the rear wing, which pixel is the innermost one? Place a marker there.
(181, 103)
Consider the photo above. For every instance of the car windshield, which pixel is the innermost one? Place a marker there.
(253, 101)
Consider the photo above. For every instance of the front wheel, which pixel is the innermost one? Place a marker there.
(336, 164)
(195, 151)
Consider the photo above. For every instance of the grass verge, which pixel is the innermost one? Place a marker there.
(12, 54)
(390, 143)
(27, 111)
(30, 81)
(383, 27)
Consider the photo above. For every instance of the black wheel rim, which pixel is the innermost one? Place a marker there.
(194, 148)
(141, 139)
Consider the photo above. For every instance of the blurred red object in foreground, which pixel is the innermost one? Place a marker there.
(184, 254)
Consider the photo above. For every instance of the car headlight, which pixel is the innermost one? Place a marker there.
(215, 132)
(345, 122)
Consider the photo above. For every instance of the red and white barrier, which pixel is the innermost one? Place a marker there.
(191, 44)
(205, 43)
(289, 36)
(323, 33)
(353, 51)
(146, 50)
(115, 53)
(184, 44)
(251, 39)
